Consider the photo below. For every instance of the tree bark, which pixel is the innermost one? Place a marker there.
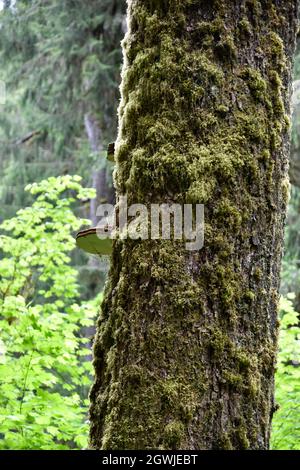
(186, 345)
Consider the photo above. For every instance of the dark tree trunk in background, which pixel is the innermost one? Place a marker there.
(100, 176)
(186, 343)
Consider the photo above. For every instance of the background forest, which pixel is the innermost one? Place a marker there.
(60, 63)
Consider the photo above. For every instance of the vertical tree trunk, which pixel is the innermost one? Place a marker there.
(186, 343)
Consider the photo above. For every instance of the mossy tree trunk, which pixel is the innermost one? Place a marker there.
(186, 343)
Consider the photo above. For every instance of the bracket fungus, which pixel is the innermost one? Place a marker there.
(95, 241)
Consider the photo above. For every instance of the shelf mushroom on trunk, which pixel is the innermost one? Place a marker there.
(97, 240)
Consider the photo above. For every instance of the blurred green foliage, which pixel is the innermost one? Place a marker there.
(286, 422)
(45, 371)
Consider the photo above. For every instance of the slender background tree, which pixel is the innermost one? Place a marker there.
(62, 72)
(186, 344)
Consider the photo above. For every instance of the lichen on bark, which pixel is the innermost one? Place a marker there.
(186, 342)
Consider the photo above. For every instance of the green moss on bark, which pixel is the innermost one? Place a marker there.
(186, 342)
